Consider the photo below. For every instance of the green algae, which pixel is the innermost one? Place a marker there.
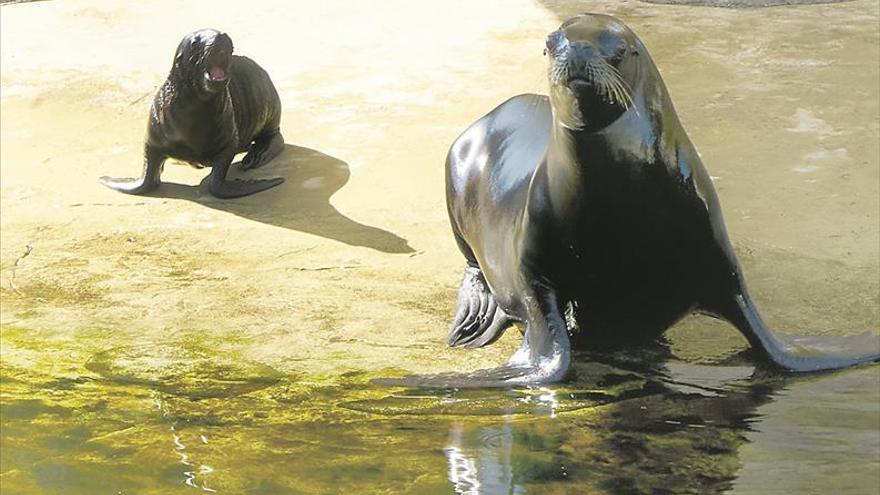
(184, 414)
(187, 370)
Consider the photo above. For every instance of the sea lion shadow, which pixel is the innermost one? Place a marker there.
(301, 203)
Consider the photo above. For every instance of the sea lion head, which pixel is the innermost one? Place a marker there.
(203, 60)
(593, 66)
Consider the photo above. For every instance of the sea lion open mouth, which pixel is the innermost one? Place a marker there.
(217, 74)
(218, 67)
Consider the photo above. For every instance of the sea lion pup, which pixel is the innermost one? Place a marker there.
(212, 106)
(591, 205)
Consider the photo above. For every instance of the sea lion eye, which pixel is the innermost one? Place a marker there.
(552, 42)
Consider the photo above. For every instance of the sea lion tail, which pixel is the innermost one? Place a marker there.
(801, 354)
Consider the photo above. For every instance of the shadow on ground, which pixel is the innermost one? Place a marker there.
(301, 203)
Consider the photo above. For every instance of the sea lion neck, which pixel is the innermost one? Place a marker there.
(568, 147)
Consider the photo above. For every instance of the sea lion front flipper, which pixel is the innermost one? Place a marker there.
(149, 179)
(222, 188)
(479, 320)
(546, 348)
(543, 357)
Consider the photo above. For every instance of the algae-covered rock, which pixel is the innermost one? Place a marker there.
(183, 370)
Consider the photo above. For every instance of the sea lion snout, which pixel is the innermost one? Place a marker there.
(580, 56)
(222, 42)
(556, 43)
(217, 59)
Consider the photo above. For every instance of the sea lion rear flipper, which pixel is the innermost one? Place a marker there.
(802, 354)
(479, 320)
(222, 188)
(264, 148)
(149, 179)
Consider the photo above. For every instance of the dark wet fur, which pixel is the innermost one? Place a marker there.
(596, 224)
(192, 121)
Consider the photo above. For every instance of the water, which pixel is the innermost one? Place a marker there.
(176, 417)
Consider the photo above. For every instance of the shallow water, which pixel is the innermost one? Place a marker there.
(169, 417)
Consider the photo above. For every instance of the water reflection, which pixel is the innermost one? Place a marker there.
(479, 461)
(676, 431)
(153, 420)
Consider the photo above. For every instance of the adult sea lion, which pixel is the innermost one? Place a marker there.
(591, 205)
(212, 106)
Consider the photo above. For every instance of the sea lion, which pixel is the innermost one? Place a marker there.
(591, 206)
(212, 106)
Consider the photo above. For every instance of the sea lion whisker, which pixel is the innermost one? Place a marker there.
(622, 92)
(614, 81)
(604, 85)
